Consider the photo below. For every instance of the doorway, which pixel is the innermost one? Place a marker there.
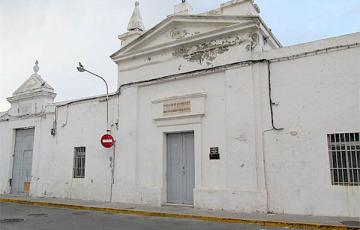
(22, 166)
(180, 168)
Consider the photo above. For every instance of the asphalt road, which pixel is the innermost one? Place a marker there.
(26, 217)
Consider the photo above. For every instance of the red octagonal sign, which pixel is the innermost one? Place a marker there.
(107, 141)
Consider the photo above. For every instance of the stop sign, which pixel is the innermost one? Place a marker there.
(107, 141)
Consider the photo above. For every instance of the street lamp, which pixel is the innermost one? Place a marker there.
(82, 69)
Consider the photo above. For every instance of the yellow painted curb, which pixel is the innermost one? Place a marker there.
(183, 216)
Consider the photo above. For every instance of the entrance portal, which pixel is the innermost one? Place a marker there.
(180, 168)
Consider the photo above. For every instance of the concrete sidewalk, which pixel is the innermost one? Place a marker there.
(276, 220)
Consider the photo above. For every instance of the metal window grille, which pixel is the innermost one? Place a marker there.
(344, 153)
(79, 162)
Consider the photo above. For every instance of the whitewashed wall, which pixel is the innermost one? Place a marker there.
(317, 95)
(237, 119)
(79, 124)
(7, 143)
(230, 182)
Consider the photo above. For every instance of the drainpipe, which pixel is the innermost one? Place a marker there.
(270, 98)
(274, 128)
(112, 173)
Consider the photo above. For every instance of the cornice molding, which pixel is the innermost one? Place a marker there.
(181, 18)
(31, 95)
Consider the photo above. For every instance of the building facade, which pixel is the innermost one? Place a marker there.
(211, 111)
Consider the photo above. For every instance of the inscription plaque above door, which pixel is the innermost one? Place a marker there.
(177, 107)
(188, 105)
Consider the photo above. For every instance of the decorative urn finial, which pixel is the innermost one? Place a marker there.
(36, 67)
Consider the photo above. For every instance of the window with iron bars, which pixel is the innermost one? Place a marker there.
(79, 162)
(344, 153)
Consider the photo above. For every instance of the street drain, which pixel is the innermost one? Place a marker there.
(351, 223)
(38, 215)
(80, 213)
(14, 220)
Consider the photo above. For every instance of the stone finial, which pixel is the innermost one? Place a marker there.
(182, 8)
(136, 22)
(240, 7)
(36, 67)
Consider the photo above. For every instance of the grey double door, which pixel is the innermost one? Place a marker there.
(180, 168)
(22, 164)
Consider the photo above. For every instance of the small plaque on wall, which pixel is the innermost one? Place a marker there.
(177, 107)
(214, 153)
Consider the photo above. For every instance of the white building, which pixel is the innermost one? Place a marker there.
(211, 111)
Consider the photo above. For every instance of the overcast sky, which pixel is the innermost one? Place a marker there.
(60, 33)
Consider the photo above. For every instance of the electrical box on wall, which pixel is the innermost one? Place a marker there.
(214, 153)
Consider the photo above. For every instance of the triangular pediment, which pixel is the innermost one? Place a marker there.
(34, 84)
(181, 28)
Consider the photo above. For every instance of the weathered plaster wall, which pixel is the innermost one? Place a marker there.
(237, 119)
(7, 143)
(229, 183)
(5, 156)
(316, 96)
(79, 124)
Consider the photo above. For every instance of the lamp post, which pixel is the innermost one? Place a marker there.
(82, 69)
